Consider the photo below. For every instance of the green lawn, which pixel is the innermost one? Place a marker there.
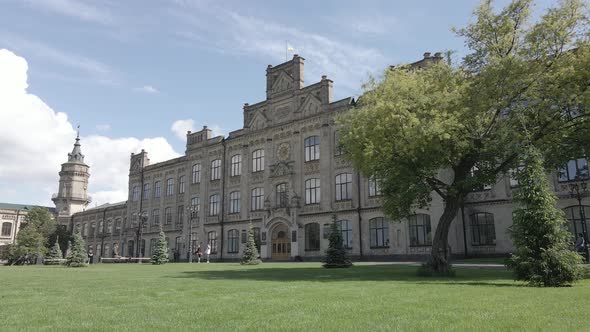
(272, 296)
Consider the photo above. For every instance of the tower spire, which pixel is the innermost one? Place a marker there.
(76, 156)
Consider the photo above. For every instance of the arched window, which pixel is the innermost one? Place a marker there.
(312, 236)
(157, 189)
(233, 245)
(312, 191)
(85, 229)
(379, 233)
(212, 240)
(109, 226)
(343, 187)
(312, 148)
(6, 228)
(236, 165)
(257, 199)
(181, 184)
(483, 231)
(258, 160)
(216, 169)
(345, 227)
(282, 199)
(234, 202)
(196, 206)
(167, 216)
(214, 205)
(170, 187)
(156, 216)
(420, 230)
(572, 213)
(196, 173)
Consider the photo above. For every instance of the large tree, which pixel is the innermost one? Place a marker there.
(33, 236)
(447, 130)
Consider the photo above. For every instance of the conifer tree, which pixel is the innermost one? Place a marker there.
(55, 255)
(160, 255)
(336, 254)
(251, 252)
(543, 256)
(78, 255)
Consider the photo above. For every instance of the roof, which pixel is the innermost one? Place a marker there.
(106, 205)
(22, 207)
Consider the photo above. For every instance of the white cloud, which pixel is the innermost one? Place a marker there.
(76, 9)
(148, 89)
(103, 127)
(180, 127)
(36, 140)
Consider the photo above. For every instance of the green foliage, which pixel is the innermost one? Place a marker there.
(63, 236)
(543, 256)
(336, 256)
(33, 237)
(55, 255)
(423, 131)
(160, 255)
(77, 253)
(250, 256)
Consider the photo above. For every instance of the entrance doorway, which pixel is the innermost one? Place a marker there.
(281, 246)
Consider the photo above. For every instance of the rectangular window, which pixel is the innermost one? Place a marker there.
(234, 202)
(312, 148)
(233, 246)
(214, 205)
(343, 187)
(170, 187)
(345, 227)
(146, 190)
(379, 233)
(312, 191)
(156, 216)
(257, 199)
(374, 187)
(157, 189)
(168, 215)
(135, 193)
(576, 169)
(420, 230)
(196, 173)
(258, 160)
(216, 169)
(212, 241)
(181, 184)
(236, 165)
(180, 215)
(483, 232)
(282, 199)
(196, 206)
(312, 236)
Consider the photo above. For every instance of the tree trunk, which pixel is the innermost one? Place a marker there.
(438, 261)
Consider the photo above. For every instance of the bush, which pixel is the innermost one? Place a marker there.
(77, 256)
(160, 255)
(336, 256)
(251, 252)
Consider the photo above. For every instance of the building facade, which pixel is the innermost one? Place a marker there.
(284, 172)
(12, 217)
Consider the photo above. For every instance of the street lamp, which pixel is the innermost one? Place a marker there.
(192, 211)
(577, 191)
(142, 219)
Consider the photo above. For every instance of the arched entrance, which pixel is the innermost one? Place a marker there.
(280, 243)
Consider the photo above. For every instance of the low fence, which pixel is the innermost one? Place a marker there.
(125, 260)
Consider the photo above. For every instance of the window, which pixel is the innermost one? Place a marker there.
(214, 205)
(118, 224)
(573, 215)
(312, 148)
(483, 232)
(196, 204)
(212, 240)
(338, 149)
(146, 191)
(156, 216)
(109, 226)
(234, 202)
(258, 160)
(257, 199)
(135, 193)
(244, 236)
(85, 229)
(168, 215)
(6, 228)
(196, 173)
(181, 188)
(420, 231)
(180, 215)
(312, 191)
(92, 228)
(379, 232)
(233, 245)
(157, 189)
(575, 169)
(282, 199)
(216, 169)
(152, 246)
(343, 187)
(345, 226)
(169, 187)
(312, 236)
(236, 165)
(374, 187)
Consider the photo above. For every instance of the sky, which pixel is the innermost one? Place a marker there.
(138, 74)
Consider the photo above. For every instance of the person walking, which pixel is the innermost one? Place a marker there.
(199, 253)
(208, 251)
(90, 256)
(580, 243)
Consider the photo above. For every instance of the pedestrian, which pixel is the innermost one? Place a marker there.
(90, 256)
(199, 253)
(176, 255)
(208, 251)
(580, 242)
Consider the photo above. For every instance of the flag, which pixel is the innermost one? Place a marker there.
(290, 48)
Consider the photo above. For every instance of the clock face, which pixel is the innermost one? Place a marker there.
(283, 151)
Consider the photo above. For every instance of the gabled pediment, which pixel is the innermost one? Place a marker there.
(311, 105)
(283, 82)
(258, 121)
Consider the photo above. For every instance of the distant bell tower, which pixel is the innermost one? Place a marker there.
(72, 195)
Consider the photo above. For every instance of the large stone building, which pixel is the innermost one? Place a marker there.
(12, 217)
(284, 172)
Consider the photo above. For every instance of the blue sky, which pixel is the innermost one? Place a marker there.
(124, 69)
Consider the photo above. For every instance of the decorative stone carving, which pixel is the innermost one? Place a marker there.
(281, 169)
(342, 163)
(311, 167)
(283, 151)
(282, 83)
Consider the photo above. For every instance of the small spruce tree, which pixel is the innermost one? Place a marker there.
(543, 256)
(77, 256)
(336, 254)
(160, 255)
(55, 255)
(251, 252)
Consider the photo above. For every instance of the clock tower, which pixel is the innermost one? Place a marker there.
(72, 195)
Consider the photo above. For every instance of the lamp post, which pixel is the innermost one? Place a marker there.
(192, 211)
(577, 191)
(142, 219)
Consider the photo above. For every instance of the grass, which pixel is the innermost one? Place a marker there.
(273, 296)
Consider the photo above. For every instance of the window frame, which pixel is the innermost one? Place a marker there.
(181, 184)
(5, 233)
(485, 229)
(578, 170)
(215, 169)
(312, 191)
(233, 244)
(169, 186)
(196, 173)
(311, 148)
(378, 233)
(214, 205)
(257, 199)
(258, 160)
(212, 241)
(343, 183)
(420, 230)
(235, 198)
(281, 193)
(236, 165)
(312, 236)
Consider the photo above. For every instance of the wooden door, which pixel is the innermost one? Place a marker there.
(281, 247)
